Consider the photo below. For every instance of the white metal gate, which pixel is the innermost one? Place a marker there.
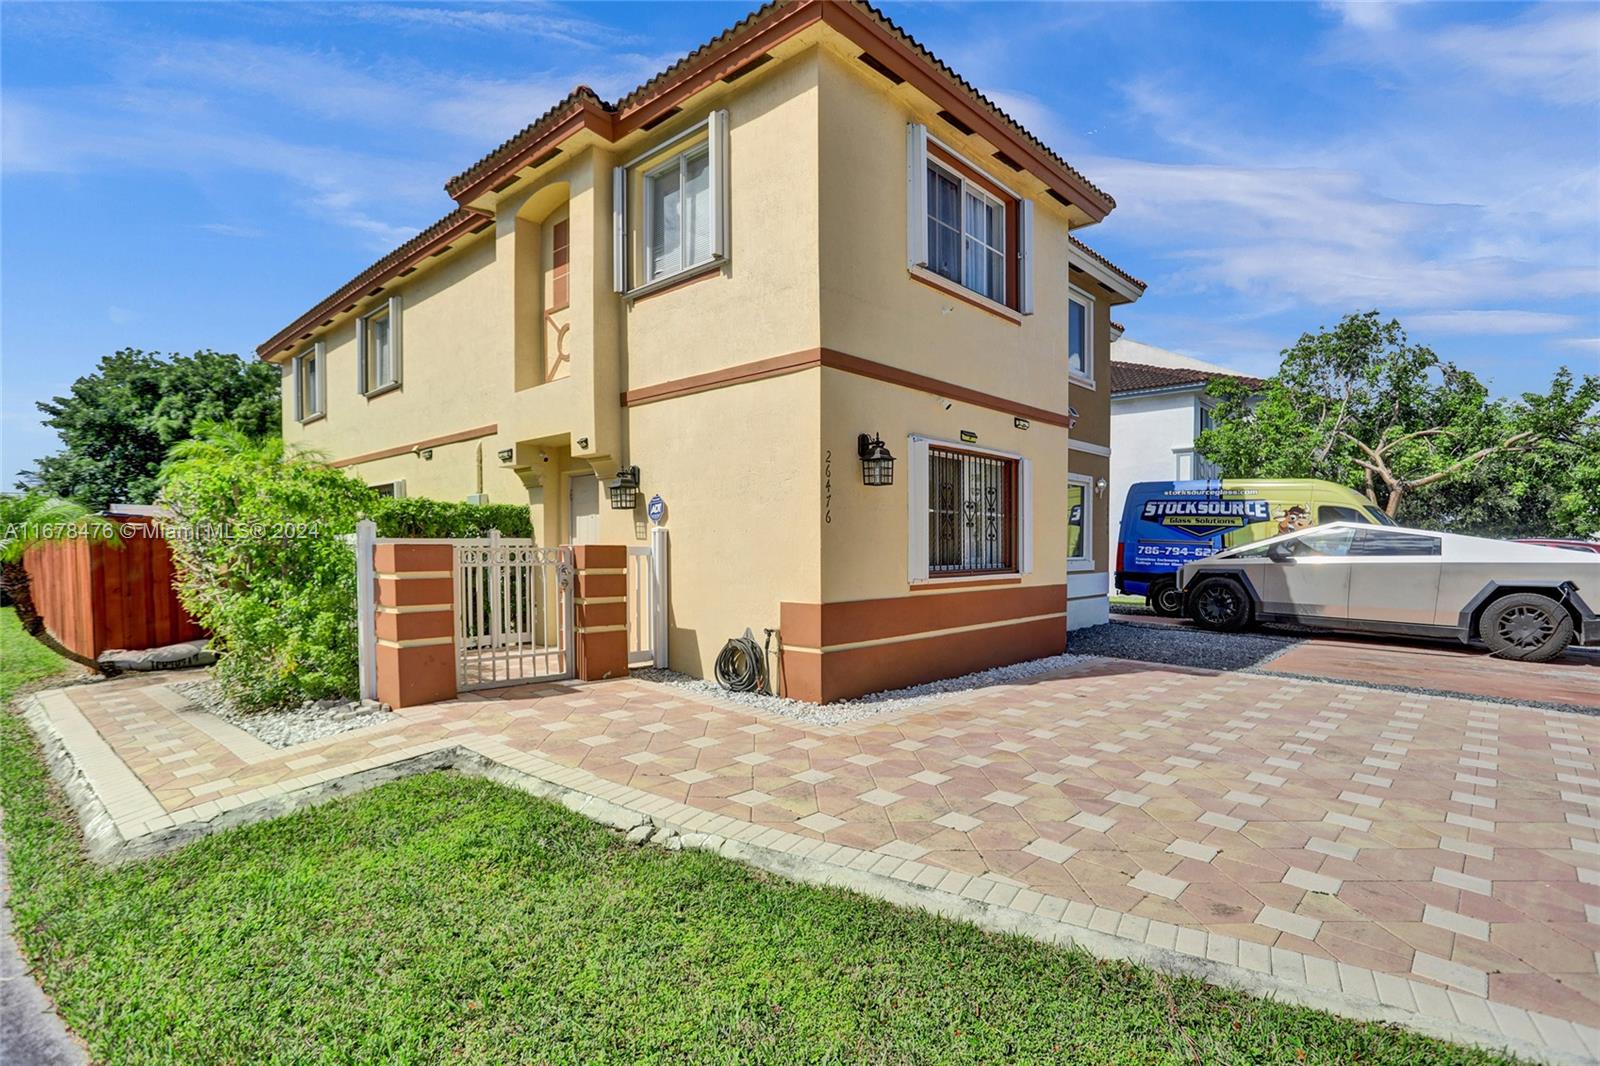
(513, 612)
(647, 601)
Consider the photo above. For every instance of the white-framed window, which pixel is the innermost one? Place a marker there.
(396, 488)
(378, 349)
(965, 229)
(678, 214)
(970, 512)
(966, 233)
(310, 383)
(684, 204)
(1080, 334)
(1080, 522)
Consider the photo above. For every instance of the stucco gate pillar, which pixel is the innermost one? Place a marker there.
(601, 611)
(416, 653)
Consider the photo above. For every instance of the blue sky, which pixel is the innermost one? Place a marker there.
(184, 176)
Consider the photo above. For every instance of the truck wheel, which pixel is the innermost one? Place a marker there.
(1165, 599)
(1526, 626)
(1220, 603)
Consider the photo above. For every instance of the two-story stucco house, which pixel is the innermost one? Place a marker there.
(807, 235)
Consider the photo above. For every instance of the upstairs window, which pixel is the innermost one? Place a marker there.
(378, 349)
(310, 391)
(560, 265)
(966, 233)
(677, 208)
(670, 208)
(966, 228)
(1080, 334)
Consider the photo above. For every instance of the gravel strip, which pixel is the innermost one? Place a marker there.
(1179, 646)
(284, 729)
(916, 697)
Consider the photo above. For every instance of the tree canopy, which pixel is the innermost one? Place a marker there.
(117, 423)
(1361, 405)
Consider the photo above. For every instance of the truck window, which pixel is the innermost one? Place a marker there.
(1392, 542)
(1332, 513)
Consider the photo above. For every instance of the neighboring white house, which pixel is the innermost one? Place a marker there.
(1158, 408)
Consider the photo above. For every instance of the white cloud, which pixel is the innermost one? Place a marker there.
(1507, 322)
(1582, 344)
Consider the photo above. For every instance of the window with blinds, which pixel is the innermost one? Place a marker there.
(966, 233)
(679, 217)
(972, 513)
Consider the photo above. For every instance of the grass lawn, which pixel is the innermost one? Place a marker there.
(1127, 601)
(444, 918)
(24, 660)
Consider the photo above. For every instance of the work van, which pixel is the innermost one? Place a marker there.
(1166, 524)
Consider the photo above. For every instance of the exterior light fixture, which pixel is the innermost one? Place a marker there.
(1100, 486)
(625, 490)
(1072, 419)
(506, 454)
(877, 465)
(427, 454)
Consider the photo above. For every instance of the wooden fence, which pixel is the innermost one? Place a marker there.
(95, 596)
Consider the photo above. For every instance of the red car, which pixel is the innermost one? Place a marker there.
(1570, 545)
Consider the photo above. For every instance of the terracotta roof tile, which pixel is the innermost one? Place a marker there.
(1108, 264)
(1141, 377)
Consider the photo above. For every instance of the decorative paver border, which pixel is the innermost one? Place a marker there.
(89, 770)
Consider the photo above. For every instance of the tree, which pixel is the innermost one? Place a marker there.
(118, 423)
(1360, 405)
(33, 518)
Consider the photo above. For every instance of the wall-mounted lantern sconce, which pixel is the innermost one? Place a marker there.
(877, 465)
(506, 454)
(1100, 486)
(625, 490)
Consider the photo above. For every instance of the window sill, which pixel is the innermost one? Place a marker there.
(380, 390)
(966, 295)
(677, 277)
(1075, 566)
(1080, 379)
(308, 419)
(1006, 577)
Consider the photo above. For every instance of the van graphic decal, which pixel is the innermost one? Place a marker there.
(1204, 518)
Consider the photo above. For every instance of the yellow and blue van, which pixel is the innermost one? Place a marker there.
(1168, 523)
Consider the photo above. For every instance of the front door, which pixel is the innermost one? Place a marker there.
(584, 509)
(1309, 576)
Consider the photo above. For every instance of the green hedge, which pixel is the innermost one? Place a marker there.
(259, 538)
(417, 516)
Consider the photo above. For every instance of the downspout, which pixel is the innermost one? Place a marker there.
(480, 468)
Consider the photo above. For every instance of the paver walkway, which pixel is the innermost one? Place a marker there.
(1435, 856)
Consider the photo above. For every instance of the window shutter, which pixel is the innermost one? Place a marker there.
(1025, 516)
(619, 229)
(717, 137)
(299, 400)
(1025, 257)
(917, 197)
(394, 336)
(320, 355)
(361, 355)
(917, 509)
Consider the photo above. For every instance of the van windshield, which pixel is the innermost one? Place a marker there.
(1379, 517)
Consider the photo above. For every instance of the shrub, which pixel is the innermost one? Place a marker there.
(417, 516)
(256, 536)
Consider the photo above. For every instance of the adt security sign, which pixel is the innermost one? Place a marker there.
(657, 509)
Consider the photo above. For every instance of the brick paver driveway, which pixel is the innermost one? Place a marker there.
(1436, 856)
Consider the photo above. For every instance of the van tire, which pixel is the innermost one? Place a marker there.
(1526, 626)
(1219, 603)
(1165, 599)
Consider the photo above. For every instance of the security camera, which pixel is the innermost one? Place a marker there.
(945, 404)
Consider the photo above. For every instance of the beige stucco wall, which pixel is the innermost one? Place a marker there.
(739, 469)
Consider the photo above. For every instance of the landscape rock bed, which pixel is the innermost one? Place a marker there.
(312, 720)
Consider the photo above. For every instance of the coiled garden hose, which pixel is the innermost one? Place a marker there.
(742, 666)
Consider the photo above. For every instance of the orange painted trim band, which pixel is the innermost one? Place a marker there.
(808, 358)
(432, 442)
(825, 625)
